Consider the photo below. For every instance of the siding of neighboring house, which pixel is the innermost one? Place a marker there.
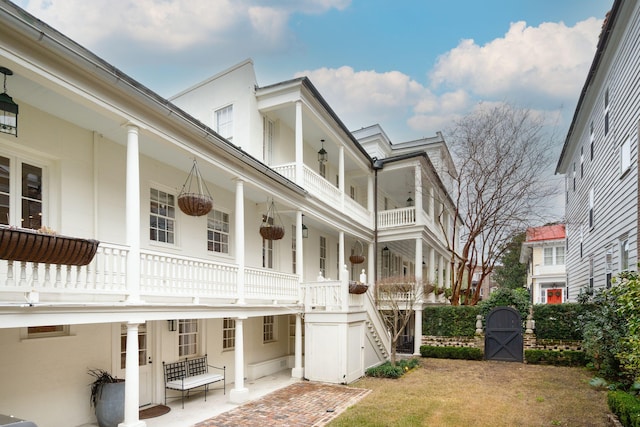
(601, 198)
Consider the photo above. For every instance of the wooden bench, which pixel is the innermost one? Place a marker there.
(188, 374)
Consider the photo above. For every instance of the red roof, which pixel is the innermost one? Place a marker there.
(546, 232)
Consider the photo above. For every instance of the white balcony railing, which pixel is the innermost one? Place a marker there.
(161, 275)
(397, 217)
(320, 187)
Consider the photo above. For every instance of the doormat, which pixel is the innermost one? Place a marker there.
(154, 411)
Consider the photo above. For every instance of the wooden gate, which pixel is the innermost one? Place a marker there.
(503, 335)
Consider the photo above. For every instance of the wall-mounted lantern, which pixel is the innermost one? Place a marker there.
(8, 108)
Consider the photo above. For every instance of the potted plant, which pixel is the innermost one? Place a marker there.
(107, 396)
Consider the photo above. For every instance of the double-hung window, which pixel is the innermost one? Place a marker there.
(625, 156)
(554, 255)
(323, 256)
(591, 140)
(268, 329)
(224, 122)
(228, 333)
(624, 254)
(218, 231)
(162, 217)
(21, 201)
(591, 207)
(606, 112)
(187, 337)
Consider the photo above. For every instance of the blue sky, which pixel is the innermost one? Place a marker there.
(414, 67)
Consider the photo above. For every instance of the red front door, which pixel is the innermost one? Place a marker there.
(554, 296)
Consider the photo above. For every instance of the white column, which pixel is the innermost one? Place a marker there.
(299, 145)
(298, 370)
(370, 194)
(441, 282)
(132, 380)
(418, 196)
(239, 239)
(342, 271)
(132, 198)
(371, 273)
(299, 247)
(239, 394)
(432, 266)
(417, 337)
(341, 172)
(417, 330)
(418, 260)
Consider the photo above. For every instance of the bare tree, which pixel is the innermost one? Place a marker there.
(397, 298)
(503, 157)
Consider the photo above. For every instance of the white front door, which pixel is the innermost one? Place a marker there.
(144, 360)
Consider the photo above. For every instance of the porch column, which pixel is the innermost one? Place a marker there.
(239, 394)
(239, 241)
(418, 196)
(299, 148)
(432, 266)
(447, 274)
(299, 246)
(132, 383)
(417, 313)
(341, 269)
(341, 172)
(371, 273)
(370, 194)
(417, 336)
(132, 198)
(298, 370)
(441, 282)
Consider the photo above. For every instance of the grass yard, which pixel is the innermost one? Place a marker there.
(455, 393)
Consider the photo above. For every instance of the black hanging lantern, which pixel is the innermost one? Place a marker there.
(410, 202)
(8, 108)
(305, 229)
(323, 156)
(198, 202)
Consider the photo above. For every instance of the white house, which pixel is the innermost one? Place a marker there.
(96, 155)
(543, 251)
(600, 158)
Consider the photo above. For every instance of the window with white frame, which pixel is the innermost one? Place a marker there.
(187, 337)
(574, 176)
(162, 216)
(228, 333)
(47, 331)
(267, 248)
(323, 256)
(322, 169)
(224, 121)
(269, 132)
(543, 295)
(142, 345)
(624, 254)
(21, 201)
(591, 140)
(218, 231)
(553, 255)
(352, 192)
(625, 156)
(581, 162)
(268, 328)
(590, 272)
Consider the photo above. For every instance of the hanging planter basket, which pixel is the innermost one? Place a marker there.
(196, 202)
(357, 288)
(357, 257)
(271, 227)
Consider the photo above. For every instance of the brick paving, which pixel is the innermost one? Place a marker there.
(300, 404)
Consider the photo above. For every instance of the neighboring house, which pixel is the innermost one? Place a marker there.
(543, 251)
(600, 158)
(97, 155)
(487, 285)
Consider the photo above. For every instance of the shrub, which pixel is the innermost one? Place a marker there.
(517, 298)
(626, 407)
(554, 357)
(387, 370)
(559, 321)
(467, 353)
(450, 321)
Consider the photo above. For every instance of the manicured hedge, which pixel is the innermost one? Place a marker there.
(467, 353)
(559, 321)
(450, 321)
(557, 358)
(626, 406)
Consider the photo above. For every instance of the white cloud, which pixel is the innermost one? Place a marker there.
(174, 24)
(549, 61)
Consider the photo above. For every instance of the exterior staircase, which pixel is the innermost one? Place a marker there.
(377, 334)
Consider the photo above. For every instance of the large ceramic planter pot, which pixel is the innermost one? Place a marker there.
(110, 404)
